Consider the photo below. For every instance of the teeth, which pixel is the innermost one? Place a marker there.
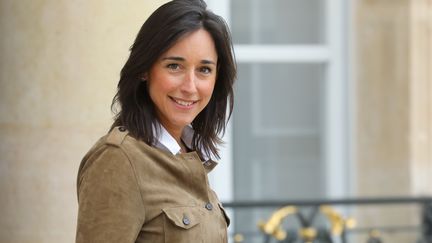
(183, 103)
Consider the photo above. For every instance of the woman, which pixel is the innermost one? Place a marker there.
(146, 180)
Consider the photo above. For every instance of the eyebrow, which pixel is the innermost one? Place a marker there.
(181, 59)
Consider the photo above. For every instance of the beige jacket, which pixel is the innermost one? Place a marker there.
(131, 192)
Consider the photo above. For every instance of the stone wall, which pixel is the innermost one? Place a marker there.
(393, 136)
(60, 63)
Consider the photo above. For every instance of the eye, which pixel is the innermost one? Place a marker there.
(173, 66)
(205, 70)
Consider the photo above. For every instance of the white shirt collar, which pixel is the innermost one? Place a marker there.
(167, 142)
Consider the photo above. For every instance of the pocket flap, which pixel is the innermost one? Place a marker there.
(183, 217)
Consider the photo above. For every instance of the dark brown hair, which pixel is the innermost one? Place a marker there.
(161, 31)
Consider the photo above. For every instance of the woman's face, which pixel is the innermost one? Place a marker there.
(181, 81)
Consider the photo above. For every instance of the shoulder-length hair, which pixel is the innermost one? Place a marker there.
(161, 31)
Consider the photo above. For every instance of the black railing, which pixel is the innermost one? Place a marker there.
(319, 202)
(271, 231)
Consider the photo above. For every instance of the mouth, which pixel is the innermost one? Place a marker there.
(184, 103)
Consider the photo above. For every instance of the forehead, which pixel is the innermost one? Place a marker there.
(195, 43)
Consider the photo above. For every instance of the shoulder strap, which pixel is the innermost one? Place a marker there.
(117, 136)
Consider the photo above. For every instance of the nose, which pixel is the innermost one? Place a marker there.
(189, 82)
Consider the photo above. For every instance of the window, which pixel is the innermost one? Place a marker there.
(289, 132)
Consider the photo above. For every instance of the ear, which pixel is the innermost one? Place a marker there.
(144, 77)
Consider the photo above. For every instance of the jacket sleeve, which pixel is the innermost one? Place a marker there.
(109, 199)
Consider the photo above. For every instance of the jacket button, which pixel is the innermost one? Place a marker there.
(186, 220)
(122, 129)
(209, 206)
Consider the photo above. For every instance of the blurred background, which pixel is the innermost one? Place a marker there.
(333, 102)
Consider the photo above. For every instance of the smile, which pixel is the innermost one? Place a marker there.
(183, 102)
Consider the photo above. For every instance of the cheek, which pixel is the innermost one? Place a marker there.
(208, 88)
(160, 87)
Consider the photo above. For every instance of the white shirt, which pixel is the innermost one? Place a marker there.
(167, 142)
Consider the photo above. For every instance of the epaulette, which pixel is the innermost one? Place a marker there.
(116, 136)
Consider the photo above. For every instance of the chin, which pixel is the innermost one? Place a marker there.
(183, 123)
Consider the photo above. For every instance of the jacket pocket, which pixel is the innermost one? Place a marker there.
(182, 224)
(227, 219)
